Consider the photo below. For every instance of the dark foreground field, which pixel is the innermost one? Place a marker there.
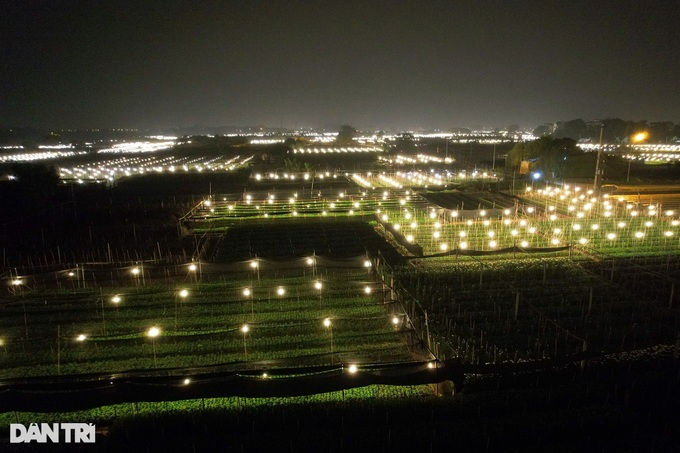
(623, 405)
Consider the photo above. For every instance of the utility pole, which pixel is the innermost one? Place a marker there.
(596, 181)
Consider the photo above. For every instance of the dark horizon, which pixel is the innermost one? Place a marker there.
(395, 66)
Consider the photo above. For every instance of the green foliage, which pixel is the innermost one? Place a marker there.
(346, 135)
(574, 129)
(39, 332)
(546, 154)
(515, 156)
(292, 165)
(614, 130)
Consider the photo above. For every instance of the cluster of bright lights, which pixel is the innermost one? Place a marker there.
(583, 203)
(646, 152)
(390, 181)
(154, 333)
(656, 152)
(361, 181)
(655, 157)
(337, 150)
(597, 221)
(608, 147)
(325, 137)
(283, 204)
(56, 147)
(162, 137)
(266, 141)
(545, 222)
(403, 159)
(293, 176)
(41, 155)
(138, 147)
(114, 169)
(421, 178)
(426, 159)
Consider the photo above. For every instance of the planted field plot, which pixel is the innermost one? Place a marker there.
(117, 167)
(458, 200)
(281, 223)
(256, 319)
(542, 222)
(334, 238)
(480, 297)
(650, 278)
(421, 179)
(136, 220)
(222, 211)
(440, 231)
(517, 310)
(606, 225)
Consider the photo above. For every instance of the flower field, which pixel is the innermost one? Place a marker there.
(246, 319)
(605, 227)
(506, 279)
(546, 218)
(502, 306)
(294, 278)
(531, 309)
(551, 278)
(220, 212)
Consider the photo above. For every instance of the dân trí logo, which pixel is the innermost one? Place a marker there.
(52, 432)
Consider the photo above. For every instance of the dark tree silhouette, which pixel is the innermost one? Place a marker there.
(546, 154)
(346, 135)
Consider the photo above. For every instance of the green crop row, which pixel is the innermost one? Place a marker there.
(86, 330)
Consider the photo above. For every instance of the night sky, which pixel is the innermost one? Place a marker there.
(376, 65)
